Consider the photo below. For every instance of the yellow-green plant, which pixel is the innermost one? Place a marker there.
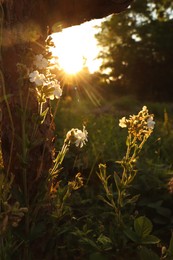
(74, 136)
(139, 127)
(37, 78)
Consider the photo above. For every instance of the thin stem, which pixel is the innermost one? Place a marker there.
(59, 159)
(41, 108)
(24, 170)
(11, 120)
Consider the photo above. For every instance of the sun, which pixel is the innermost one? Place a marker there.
(76, 48)
(70, 57)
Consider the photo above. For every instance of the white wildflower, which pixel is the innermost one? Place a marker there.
(78, 137)
(150, 122)
(81, 137)
(37, 78)
(123, 122)
(57, 91)
(40, 62)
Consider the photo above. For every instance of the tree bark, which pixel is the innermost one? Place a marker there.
(24, 25)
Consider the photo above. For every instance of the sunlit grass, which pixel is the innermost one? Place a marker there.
(65, 202)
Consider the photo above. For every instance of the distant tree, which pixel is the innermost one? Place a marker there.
(137, 49)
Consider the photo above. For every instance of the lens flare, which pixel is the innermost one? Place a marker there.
(76, 48)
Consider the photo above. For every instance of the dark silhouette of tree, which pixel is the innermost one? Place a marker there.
(137, 48)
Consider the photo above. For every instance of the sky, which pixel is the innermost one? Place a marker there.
(76, 46)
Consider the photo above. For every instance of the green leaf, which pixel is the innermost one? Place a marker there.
(105, 242)
(150, 239)
(37, 231)
(44, 114)
(5, 97)
(170, 248)
(97, 256)
(155, 204)
(117, 180)
(164, 212)
(89, 242)
(142, 226)
(104, 200)
(147, 254)
(160, 220)
(133, 199)
(128, 141)
(131, 235)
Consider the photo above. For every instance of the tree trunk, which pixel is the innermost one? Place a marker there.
(26, 147)
(24, 25)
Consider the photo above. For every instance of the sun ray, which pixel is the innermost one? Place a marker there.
(76, 51)
(76, 48)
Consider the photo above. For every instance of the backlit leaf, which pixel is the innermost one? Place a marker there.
(143, 226)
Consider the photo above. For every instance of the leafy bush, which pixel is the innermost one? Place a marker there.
(109, 200)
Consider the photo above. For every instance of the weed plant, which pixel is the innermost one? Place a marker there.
(110, 200)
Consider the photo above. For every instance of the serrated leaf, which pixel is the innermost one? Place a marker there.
(150, 239)
(143, 226)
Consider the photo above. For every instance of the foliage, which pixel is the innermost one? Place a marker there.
(103, 202)
(21, 207)
(154, 171)
(136, 48)
(84, 223)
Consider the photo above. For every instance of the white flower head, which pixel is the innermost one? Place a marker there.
(37, 78)
(40, 62)
(57, 91)
(150, 122)
(78, 137)
(123, 122)
(81, 137)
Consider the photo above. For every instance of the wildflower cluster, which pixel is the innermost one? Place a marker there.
(74, 136)
(77, 137)
(46, 84)
(139, 126)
